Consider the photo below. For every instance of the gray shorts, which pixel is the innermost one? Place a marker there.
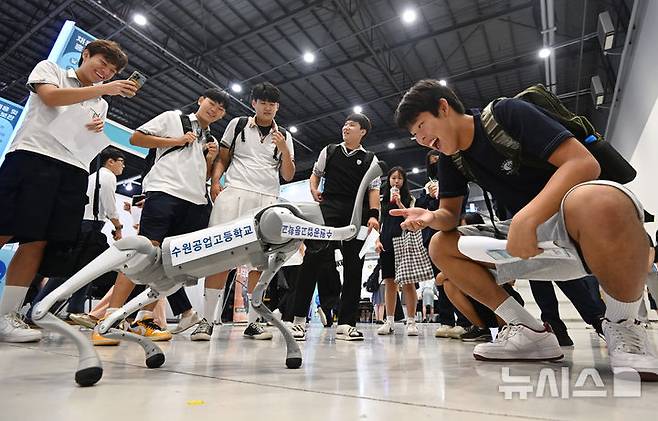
(554, 229)
(428, 297)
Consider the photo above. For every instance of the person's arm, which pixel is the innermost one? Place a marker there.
(446, 218)
(107, 201)
(218, 169)
(150, 141)
(54, 96)
(287, 168)
(211, 149)
(373, 202)
(314, 185)
(317, 174)
(575, 165)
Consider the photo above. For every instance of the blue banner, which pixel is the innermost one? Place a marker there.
(69, 55)
(6, 253)
(10, 112)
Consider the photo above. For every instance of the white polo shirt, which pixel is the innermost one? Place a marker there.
(254, 167)
(33, 135)
(107, 204)
(181, 173)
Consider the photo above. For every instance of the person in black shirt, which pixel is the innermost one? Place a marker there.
(560, 203)
(342, 166)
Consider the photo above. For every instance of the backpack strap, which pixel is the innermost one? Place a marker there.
(238, 130)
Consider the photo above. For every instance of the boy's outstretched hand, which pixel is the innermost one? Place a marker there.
(415, 219)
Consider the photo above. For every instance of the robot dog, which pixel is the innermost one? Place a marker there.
(265, 239)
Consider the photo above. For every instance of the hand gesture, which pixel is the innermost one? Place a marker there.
(186, 139)
(96, 125)
(317, 195)
(373, 224)
(415, 219)
(522, 238)
(212, 150)
(215, 190)
(279, 141)
(125, 88)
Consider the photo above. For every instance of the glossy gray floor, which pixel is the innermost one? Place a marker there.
(382, 378)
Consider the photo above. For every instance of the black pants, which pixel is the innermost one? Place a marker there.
(589, 307)
(309, 274)
(447, 311)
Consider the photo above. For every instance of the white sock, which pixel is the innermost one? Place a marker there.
(390, 319)
(512, 313)
(210, 298)
(411, 320)
(143, 314)
(12, 299)
(252, 316)
(617, 310)
(299, 321)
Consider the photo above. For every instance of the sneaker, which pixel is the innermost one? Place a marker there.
(256, 331)
(386, 329)
(83, 319)
(298, 332)
(442, 331)
(476, 334)
(99, 340)
(148, 329)
(456, 332)
(412, 329)
(348, 333)
(563, 337)
(14, 330)
(186, 323)
(629, 347)
(520, 343)
(203, 331)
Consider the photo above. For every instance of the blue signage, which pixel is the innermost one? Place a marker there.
(10, 112)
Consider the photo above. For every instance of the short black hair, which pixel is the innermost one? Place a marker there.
(111, 153)
(265, 92)
(425, 96)
(364, 122)
(217, 95)
(431, 170)
(111, 50)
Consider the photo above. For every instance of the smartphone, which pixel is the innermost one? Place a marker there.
(138, 198)
(138, 78)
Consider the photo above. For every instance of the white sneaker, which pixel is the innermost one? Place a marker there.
(187, 322)
(348, 333)
(520, 343)
(629, 347)
(456, 332)
(412, 329)
(298, 332)
(13, 329)
(386, 329)
(442, 331)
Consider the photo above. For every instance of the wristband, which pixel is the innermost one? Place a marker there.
(373, 213)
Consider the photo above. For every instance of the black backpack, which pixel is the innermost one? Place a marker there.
(613, 166)
(239, 130)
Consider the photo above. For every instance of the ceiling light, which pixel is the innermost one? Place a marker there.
(544, 53)
(293, 129)
(391, 145)
(409, 16)
(415, 170)
(357, 109)
(443, 82)
(236, 87)
(139, 19)
(309, 57)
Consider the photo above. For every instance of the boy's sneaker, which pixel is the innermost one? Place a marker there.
(14, 330)
(629, 347)
(563, 337)
(256, 331)
(99, 340)
(476, 334)
(83, 319)
(203, 331)
(386, 329)
(520, 343)
(442, 331)
(148, 329)
(348, 333)
(412, 329)
(456, 332)
(186, 323)
(298, 332)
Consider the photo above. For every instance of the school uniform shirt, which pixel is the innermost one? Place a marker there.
(181, 173)
(34, 134)
(107, 204)
(254, 166)
(539, 136)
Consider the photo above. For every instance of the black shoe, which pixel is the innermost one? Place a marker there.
(256, 331)
(476, 334)
(203, 331)
(379, 322)
(563, 338)
(597, 325)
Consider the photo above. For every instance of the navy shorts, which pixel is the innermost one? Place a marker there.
(165, 215)
(42, 198)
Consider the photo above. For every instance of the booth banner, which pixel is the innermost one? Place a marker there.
(69, 56)
(10, 112)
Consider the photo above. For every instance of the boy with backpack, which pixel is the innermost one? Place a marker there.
(559, 201)
(254, 152)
